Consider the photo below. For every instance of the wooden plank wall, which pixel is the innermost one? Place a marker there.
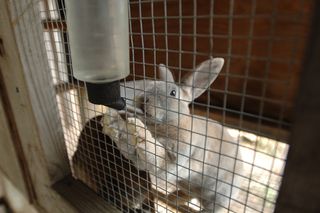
(271, 65)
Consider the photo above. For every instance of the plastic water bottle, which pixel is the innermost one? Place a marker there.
(99, 39)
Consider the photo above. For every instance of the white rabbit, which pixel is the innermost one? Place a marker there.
(181, 151)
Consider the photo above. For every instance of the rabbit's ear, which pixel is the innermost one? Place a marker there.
(165, 74)
(194, 84)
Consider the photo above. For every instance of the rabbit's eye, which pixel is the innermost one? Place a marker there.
(173, 93)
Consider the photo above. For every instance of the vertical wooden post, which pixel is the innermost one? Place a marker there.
(301, 184)
(26, 150)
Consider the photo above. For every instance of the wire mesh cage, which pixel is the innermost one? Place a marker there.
(199, 134)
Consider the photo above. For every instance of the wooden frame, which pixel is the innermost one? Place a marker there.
(35, 156)
(39, 165)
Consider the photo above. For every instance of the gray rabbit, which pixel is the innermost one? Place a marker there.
(184, 152)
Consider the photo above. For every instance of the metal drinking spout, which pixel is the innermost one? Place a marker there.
(107, 94)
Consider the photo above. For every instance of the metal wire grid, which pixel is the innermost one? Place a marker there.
(265, 166)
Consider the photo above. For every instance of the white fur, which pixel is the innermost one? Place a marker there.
(181, 151)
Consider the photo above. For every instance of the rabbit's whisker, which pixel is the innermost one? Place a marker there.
(132, 109)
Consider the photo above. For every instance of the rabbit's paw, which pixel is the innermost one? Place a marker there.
(111, 123)
(139, 131)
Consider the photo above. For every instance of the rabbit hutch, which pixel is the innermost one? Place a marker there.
(218, 93)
